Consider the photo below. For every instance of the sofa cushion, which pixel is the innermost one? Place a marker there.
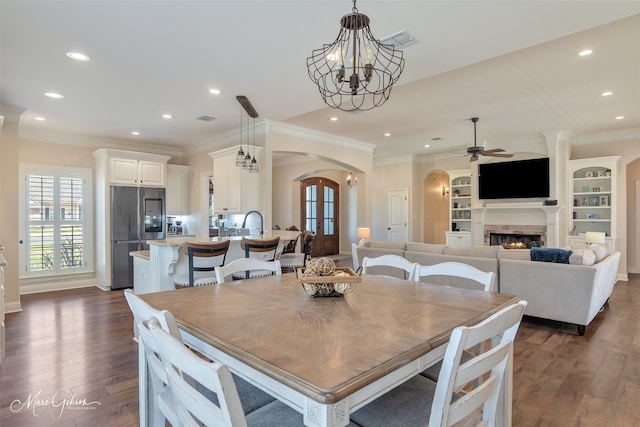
(582, 256)
(556, 255)
(425, 247)
(388, 245)
(521, 254)
(474, 251)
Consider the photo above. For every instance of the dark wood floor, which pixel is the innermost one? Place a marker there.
(79, 343)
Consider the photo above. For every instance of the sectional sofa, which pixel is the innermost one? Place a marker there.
(571, 293)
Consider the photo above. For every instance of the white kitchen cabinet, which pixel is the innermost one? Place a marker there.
(593, 189)
(458, 238)
(234, 190)
(137, 172)
(177, 190)
(133, 168)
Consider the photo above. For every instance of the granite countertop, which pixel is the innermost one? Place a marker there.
(141, 254)
(284, 235)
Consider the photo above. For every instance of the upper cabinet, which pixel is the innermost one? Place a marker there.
(132, 168)
(234, 190)
(177, 190)
(460, 199)
(593, 192)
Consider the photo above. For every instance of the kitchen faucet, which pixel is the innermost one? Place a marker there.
(244, 222)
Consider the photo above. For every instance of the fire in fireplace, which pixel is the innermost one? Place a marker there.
(515, 241)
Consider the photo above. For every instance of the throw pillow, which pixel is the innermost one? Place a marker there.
(600, 252)
(583, 256)
(550, 255)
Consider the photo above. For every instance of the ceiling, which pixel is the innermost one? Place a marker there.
(514, 64)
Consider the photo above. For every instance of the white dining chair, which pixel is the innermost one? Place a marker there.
(453, 271)
(154, 405)
(389, 265)
(456, 396)
(484, 279)
(249, 267)
(194, 405)
(151, 385)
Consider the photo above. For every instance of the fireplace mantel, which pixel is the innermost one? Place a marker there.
(533, 213)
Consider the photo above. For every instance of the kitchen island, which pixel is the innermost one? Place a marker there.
(154, 269)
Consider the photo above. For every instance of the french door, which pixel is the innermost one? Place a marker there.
(319, 211)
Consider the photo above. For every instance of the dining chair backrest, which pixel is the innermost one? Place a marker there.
(493, 366)
(142, 311)
(204, 250)
(291, 246)
(246, 266)
(483, 280)
(263, 246)
(151, 370)
(161, 405)
(192, 406)
(389, 265)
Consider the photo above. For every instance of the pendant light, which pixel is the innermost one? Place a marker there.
(356, 71)
(243, 158)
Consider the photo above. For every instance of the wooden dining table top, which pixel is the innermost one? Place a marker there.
(326, 348)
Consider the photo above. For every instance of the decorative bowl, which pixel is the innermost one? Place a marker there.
(342, 281)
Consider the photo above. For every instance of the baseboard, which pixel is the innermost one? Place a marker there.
(34, 288)
(623, 277)
(12, 307)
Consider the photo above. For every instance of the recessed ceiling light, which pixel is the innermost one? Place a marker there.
(40, 119)
(426, 146)
(585, 52)
(608, 93)
(167, 116)
(334, 119)
(619, 117)
(78, 56)
(214, 91)
(387, 134)
(135, 132)
(53, 95)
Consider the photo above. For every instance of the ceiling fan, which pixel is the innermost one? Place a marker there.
(477, 151)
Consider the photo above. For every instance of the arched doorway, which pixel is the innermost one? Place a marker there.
(319, 208)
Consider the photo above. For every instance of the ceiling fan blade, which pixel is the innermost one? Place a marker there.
(497, 155)
(494, 150)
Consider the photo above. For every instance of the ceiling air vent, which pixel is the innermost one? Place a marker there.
(206, 118)
(399, 40)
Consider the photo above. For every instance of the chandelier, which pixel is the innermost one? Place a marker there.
(244, 159)
(356, 71)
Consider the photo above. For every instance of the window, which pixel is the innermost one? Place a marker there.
(56, 220)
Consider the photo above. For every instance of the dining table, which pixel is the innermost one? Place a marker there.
(325, 357)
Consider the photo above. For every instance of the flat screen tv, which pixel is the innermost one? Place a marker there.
(520, 179)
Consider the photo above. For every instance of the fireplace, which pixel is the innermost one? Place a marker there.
(515, 236)
(515, 241)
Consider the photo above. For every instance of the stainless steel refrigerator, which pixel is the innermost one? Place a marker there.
(137, 215)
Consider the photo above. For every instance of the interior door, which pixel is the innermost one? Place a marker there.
(397, 215)
(319, 210)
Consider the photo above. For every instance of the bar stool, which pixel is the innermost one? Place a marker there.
(262, 247)
(201, 275)
(291, 261)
